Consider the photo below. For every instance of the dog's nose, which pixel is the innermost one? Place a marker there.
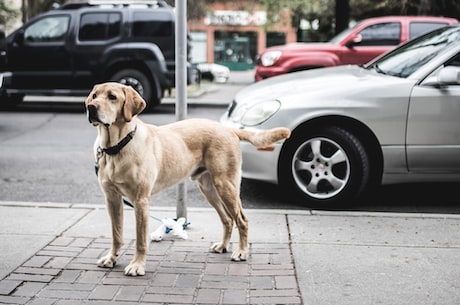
(92, 113)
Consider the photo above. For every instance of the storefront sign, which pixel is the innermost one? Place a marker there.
(241, 18)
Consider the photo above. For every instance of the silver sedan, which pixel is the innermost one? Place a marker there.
(394, 120)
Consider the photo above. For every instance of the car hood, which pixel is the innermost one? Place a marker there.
(341, 81)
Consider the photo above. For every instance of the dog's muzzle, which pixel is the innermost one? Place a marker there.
(93, 117)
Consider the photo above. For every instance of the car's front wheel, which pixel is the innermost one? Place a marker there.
(140, 82)
(326, 167)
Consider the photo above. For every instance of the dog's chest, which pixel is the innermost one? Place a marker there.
(115, 172)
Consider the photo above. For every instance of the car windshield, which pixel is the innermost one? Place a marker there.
(404, 61)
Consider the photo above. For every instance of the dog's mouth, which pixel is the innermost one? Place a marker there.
(93, 116)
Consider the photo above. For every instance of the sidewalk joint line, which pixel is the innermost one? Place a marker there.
(292, 258)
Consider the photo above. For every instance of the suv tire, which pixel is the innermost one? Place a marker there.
(140, 82)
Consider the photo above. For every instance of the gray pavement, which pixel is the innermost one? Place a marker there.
(211, 94)
(296, 257)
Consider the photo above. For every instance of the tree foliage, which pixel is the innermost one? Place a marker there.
(196, 9)
(369, 8)
(7, 13)
(35, 7)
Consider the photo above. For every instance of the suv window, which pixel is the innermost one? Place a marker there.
(52, 28)
(99, 26)
(149, 24)
(156, 27)
(419, 28)
(382, 34)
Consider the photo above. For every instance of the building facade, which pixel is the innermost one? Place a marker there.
(234, 34)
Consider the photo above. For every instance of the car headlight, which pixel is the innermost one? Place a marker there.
(270, 57)
(255, 114)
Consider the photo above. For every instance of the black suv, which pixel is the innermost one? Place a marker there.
(67, 50)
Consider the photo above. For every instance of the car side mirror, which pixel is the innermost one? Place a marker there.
(354, 41)
(19, 37)
(449, 76)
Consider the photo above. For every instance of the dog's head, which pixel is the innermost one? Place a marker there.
(113, 102)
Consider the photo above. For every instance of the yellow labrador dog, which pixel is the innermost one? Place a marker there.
(136, 160)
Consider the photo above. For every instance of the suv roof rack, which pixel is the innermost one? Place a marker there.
(114, 3)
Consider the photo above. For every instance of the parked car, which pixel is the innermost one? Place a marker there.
(214, 72)
(354, 127)
(357, 45)
(67, 50)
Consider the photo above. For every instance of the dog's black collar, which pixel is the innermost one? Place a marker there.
(113, 150)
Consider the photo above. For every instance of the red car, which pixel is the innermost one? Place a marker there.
(357, 45)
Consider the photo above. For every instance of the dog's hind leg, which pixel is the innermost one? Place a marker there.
(229, 194)
(115, 210)
(224, 193)
(208, 190)
(241, 254)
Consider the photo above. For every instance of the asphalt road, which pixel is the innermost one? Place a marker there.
(46, 156)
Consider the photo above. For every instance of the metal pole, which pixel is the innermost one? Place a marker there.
(181, 88)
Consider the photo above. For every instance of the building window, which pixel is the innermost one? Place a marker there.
(275, 39)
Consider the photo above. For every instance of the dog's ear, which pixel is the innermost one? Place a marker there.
(134, 103)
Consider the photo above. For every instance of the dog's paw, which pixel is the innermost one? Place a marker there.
(239, 255)
(135, 269)
(218, 248)
(107, 261)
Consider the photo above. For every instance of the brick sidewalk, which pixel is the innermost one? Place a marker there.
(178, 272)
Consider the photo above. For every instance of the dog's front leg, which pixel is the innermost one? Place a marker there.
(137, 265)
(115, 210)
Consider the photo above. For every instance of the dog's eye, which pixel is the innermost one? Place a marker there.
(94, 95)
(111, 97)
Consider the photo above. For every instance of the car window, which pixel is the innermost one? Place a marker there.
(156, 27)
(382, 34)
(149, 24)
(338, 38)
(404, 61)
(454, 61)
(51, 28)
(99, 26)
(419, 28)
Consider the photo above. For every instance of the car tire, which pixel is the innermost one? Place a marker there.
(325, 168)
(140, 82)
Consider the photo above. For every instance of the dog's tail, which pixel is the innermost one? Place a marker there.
(263, 140)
